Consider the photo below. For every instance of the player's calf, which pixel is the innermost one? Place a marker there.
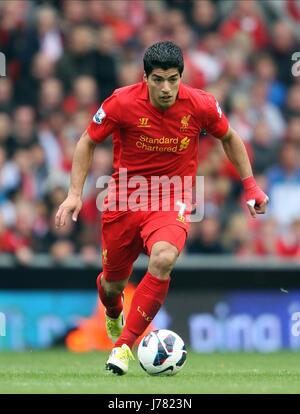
(114, 326)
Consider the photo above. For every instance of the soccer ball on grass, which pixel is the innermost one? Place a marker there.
(162, 352)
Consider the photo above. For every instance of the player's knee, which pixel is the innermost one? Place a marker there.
(113, 288)
(164, 258)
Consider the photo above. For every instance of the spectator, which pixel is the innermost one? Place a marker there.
(78, 59)
(206, 239)
(237, 237)
(17, 40)
(265, 70)
(239, 118)
(262, 109)
(24, 134)
(293, 131)
(11, 242)
(289, 242)
(105, 62)
(48, 32)
(75, 12)
(267, 239)
(62, 243)
(293, 101)
(40, 228)
(265, 149)
(116, 15)
(283, 245)
(6, 95)
(9, 176)
(206, 18)
(27, 88)
(6, 139)
(284, 186)
(61, 251)
(49, 138)
(50, 97)
(282, 46)
(84, 96)
(129, 73)
(245, 17)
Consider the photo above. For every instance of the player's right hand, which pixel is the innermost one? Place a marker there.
(256, 199)
(72, 204)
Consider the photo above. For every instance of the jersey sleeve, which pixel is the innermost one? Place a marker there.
(215, 121)
(105, 120)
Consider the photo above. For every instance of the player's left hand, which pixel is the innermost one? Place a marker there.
(256, 199)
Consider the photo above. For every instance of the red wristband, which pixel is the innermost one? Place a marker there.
(249, 183)
(253, 193)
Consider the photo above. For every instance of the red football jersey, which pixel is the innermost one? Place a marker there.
(152, 142)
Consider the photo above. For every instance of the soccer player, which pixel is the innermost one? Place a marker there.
(155, 125)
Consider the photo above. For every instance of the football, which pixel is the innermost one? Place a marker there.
(162, 352)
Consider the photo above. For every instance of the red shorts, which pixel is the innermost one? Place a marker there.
(127, 234)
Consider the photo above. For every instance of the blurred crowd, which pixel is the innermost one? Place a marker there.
(63, 58)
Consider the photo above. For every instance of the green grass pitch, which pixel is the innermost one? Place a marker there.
(58, 371)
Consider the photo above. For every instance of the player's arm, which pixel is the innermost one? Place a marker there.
(82, 160)
(217, 124)
(236, 152)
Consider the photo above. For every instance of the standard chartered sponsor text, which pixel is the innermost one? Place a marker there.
(162, 144)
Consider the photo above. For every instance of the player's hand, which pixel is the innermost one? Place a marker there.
(256, 199)
(71, 205)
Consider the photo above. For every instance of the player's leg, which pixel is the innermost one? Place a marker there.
(121, 246)
(163, 238)
(112, 296)
(164, 246)
(146, 301)
(110, 293)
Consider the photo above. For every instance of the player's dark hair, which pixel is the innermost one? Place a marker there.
(163, 55)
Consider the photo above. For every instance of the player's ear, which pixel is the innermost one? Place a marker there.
(145, 77)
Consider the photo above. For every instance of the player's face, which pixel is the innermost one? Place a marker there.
(163, 87)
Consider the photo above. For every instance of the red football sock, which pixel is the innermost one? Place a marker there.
(147, 300)
(112, 304)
